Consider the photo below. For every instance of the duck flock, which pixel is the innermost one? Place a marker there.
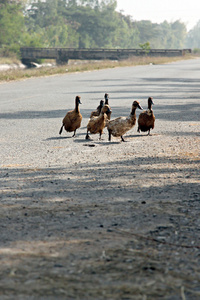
(101, 118)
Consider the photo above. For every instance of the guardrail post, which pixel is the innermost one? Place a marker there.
(61, 58)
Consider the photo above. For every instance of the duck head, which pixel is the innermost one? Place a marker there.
(150, 101)
(136, 104)
(101, 103)
(78, 100)
(106, 96)
(105, 109)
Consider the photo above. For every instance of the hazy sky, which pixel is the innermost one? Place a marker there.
(157, 11)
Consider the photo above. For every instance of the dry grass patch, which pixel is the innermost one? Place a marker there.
(81, 66)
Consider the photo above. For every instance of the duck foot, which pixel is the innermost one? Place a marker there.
(149, 133)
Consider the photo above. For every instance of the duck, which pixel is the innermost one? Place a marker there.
(96, 124)
(97, 112)
(119, 126)
(73, 118)
(146, 119)
(106, 97)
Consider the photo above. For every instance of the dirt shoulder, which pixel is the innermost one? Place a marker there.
(119, 221)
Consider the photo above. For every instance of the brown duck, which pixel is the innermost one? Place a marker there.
(106, 96)
(96, 112)
(72, 120)
(120, 125)
(146, 119)
(97, 124)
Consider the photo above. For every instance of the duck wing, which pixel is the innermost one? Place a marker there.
(96, 124)
(146, 119)
(72, 120)
(119, 126)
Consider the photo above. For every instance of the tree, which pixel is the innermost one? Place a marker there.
(95, 26)
(11, 24)
(83, 24)
(126, 34)
(193, 37)
(46, 19)
(179, 33)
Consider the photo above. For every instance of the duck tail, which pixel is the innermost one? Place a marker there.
(61, 129)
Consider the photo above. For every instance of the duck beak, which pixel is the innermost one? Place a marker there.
(139, 106)
(80, 102)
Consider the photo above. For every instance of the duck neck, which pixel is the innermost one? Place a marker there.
(150, 106)
(102, 115)
(99, 109)
(133, 112)
(106, 100)
(77, 107)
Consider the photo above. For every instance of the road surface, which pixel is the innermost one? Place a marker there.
(96, 219)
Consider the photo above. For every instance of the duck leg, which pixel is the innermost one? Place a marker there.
(100, 133)
(61, 129)
(109, 135)
(138, 129)
(87, 136)
(122, 139)
(74, 133)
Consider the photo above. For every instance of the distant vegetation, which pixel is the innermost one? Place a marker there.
(193, 38)
(83, 24)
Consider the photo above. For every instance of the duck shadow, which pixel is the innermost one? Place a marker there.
(141, 135)
(93, 142)
(58, 138)
(81, 141)
(65, 137)
(135, 135)
(87, 142)
(112, 143)
(106, 142)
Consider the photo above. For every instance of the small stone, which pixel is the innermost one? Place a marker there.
(58, 266)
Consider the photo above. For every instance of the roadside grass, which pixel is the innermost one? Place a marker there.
(80, 66)
(9, 60)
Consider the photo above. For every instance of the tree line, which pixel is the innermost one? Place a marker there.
(81, 24)
(193, 37)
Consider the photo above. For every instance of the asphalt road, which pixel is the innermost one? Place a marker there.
(32, 110)
(122, 216)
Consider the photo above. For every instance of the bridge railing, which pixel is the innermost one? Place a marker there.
(64, 54)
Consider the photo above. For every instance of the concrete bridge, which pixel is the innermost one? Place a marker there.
(62, 55)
